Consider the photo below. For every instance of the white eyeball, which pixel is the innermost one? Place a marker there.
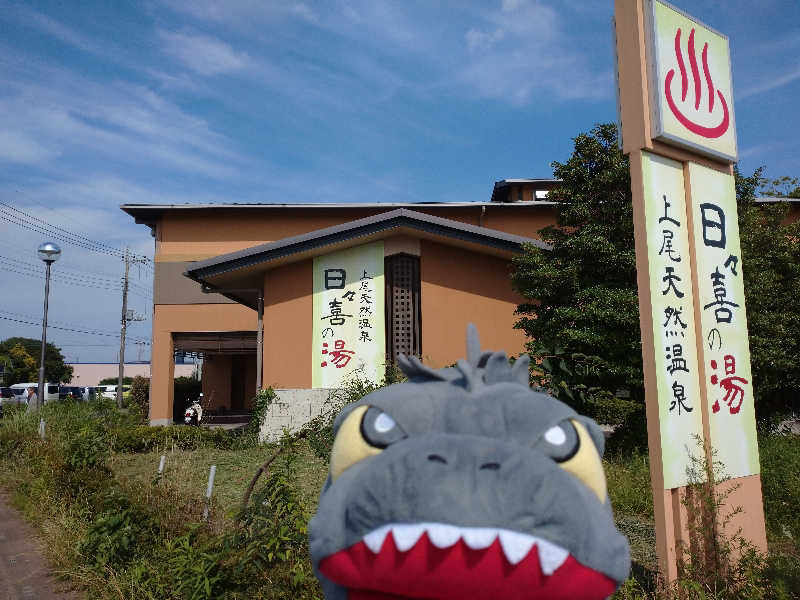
(555, 435)
(384, 423)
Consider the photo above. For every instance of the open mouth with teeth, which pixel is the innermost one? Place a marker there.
(436, 561)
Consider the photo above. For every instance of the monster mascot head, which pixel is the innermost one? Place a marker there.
(463, 483)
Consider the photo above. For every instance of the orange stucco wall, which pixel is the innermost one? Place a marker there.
(287, 326)
(460, 287)
(171, 318)
(195, 235)
(457, 287)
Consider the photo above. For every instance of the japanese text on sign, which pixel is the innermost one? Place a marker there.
(723, 321)
(677, 373)
(348, 326)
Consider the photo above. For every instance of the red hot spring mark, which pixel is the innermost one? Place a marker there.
(701, 130)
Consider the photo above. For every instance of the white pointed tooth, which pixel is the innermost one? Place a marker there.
(515, 545)
(550, 556)
(374, 539)
(405, 536)
(442, 535)
(479, 538)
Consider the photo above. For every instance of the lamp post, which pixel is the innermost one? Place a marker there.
(49, 253)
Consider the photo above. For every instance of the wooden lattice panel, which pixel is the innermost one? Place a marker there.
(402, 294)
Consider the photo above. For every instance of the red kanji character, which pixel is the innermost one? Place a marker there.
(339, 355)
(734, 393)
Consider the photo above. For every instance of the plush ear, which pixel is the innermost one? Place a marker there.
(473, 345)
(413, 368)
(521, 370)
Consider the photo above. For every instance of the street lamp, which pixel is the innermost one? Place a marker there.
(49, 253)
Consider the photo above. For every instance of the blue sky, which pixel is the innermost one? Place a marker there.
(169, 101)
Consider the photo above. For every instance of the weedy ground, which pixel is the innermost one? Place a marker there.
(116, 530)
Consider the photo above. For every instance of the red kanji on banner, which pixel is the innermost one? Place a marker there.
(339, 356)
(734, 393)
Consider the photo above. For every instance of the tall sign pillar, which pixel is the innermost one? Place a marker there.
(675, 102)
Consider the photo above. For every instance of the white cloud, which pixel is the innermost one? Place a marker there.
(770, 84)
(204, 54)
(114, 123)
(18, 147)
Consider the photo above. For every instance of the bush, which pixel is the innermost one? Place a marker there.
(143, 438)
(140, 394)
(112, 538)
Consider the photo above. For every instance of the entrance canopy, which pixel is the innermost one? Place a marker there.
(215, 342)
(239, 275)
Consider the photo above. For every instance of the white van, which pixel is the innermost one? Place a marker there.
(110, 391)
(21, 391)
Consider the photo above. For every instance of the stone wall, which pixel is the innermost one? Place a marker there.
(292, 409)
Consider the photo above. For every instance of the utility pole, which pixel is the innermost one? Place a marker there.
(126, 316)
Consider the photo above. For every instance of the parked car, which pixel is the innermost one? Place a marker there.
(110, 391)
(9, 398)
(50, 390)
(89, 393)
(67, 391)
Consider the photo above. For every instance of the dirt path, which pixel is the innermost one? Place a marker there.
(24, 573)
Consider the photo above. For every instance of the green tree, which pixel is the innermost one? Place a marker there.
(780, 187)
(20, 366)
(54, 367)
(771, 268)
(583, 313)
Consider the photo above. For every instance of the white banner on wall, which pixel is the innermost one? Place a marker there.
(348, 312)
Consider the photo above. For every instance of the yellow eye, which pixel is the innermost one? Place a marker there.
(586, 464)
(366, 431)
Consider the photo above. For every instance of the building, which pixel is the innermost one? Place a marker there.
(224, 270)
(90, 374)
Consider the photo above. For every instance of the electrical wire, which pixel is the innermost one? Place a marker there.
(33, 270)
(65, 324)
(70, 329)
(100, 247)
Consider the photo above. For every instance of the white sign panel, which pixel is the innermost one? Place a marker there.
(691, 88)
(672, 300)
(723, 321)
(348, 312)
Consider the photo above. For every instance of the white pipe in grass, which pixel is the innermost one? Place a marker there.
(211, 474)
(161, 464)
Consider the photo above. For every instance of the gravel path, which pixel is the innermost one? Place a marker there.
(24, 572)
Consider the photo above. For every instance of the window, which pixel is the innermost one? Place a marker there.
(403, 319)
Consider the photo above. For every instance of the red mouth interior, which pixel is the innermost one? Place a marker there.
(458, 572)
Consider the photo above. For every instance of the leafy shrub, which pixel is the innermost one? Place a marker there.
(111, 539)
(88, 449)
(143, 438)
(140, 394)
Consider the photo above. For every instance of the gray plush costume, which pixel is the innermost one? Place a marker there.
(467, 460)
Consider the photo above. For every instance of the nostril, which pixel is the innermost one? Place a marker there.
(493, 466)
(437, 458)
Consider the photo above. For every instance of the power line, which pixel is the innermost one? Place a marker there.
(25, 322)
(76, 283)
(77, 272)
(64, 324)
(15, 220)
(33, 270)
(83, 239)
(61, 271)
(33, 199)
